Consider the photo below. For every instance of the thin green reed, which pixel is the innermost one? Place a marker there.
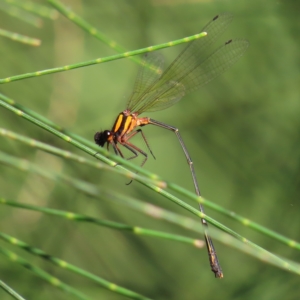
(35, 8)
(20, 14)
(231, 214)
(258, 253)
(15, 258)
(70, 267)
(94, 192)
(45, 121)
(136, 230)
(83, 24)
(20, 38)
(103, 59)
(69, 155)
(89, 188)
(10, 291)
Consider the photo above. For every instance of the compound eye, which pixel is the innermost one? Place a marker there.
(101, 137)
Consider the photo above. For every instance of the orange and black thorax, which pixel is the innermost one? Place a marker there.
(125, 123)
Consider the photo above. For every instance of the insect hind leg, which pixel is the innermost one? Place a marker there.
(135, 150)
(132, 134)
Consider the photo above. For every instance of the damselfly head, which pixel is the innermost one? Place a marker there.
(102, 137)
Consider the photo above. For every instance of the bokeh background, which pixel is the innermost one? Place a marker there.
(242, 131)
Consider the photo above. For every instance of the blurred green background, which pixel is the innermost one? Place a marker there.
(242, 131)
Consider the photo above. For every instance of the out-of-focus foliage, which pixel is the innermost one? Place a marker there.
(242, 131)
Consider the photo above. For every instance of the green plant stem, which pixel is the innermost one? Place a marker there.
(246, 222)
(42, 274)
(103, 60)
(20, 14)
(20, 38)
(258, 253)
(10, 291)
(81, 23)
(38, 9)
(65, 265)
(93, 191)
(69, 155)
(105, 223)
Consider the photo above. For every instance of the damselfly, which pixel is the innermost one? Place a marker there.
(156, 89)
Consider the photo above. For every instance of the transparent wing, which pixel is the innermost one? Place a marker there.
(196, 52)
(149, 72)
(191, 69)
(165, 93)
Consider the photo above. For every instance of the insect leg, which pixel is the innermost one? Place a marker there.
(214, 263)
